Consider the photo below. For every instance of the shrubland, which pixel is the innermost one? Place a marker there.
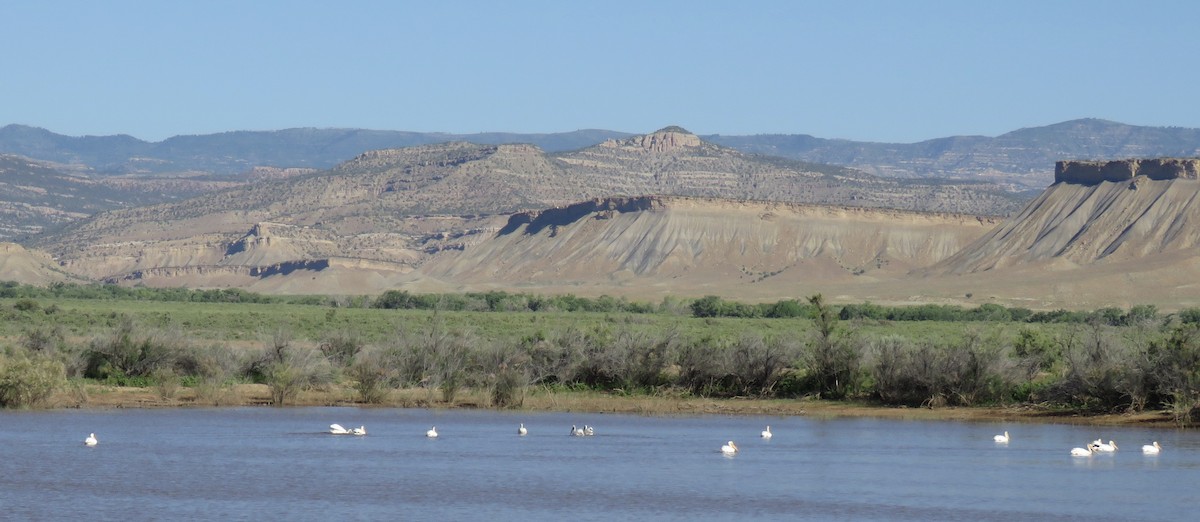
(503, 346)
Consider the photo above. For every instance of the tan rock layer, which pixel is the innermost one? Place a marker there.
(1093, 172)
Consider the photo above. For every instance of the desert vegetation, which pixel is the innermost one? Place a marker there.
(498, 349)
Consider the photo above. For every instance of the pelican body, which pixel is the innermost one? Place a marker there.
(521, 430)
(729, 448)
(1083, 452)
(1152, 449)
(432, 433)
(1107, 448)
(361, 430)
(1003, 439)
(90, 440)
(337, 429)
(766, 434)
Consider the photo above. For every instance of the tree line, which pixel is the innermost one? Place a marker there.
(500, 301)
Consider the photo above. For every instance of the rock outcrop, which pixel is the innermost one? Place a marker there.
(663, 140)
(1093, 172)
(599, 208)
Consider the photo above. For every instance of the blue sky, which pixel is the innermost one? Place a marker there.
(895, 71)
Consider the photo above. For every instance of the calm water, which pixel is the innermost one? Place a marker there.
(271, 464)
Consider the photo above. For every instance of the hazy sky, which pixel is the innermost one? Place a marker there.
(900, 71)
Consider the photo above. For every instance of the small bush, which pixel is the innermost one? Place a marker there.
(166, 384)
(373, 376)
(27, 305)
(124, 353)
(505, 368)
(340, 347)
(26, 382)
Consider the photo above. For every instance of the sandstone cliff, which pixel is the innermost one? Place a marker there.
(1093, 172)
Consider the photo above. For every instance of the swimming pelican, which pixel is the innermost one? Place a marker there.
(729, 448)
(1152, 449)
(1082, 452)
(588, 430)
(337, 429)
(1001, 438)
(361, 430)
(1107, 448)
(432, 433)
(91, 440)
(522, 431)
(766, 434)
(578, 432)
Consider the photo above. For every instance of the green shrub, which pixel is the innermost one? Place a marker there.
(26, 305)
(124, 353)
(28, 381)
(372, 374)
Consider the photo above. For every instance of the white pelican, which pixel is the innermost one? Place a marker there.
(1001, 438)
(432, 433)
(766, 434)
(1152, 449)
(1107, 448)
(361, 430)
(578, 432)
(587, 430)
(91, 440)
(1083, 452)
(521, 430)
(729, 449)
(337, 429)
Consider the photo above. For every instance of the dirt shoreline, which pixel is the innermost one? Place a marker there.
(96, 396)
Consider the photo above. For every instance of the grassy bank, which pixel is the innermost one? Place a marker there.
(72, 352)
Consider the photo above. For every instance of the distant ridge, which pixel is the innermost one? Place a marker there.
(400, 207)
(238, 151)
(1022, 158)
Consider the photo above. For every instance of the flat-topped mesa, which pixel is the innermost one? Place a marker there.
(663, 140)
(1095, 172)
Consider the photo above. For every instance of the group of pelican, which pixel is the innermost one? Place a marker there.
(1094, 447)
(337, 429)
(585, 431)
(730, 448)
(1099, 446)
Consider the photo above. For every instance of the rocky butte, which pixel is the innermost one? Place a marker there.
(1093, 172)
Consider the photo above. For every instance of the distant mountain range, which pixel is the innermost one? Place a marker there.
(1022, 159)
(401, 206)
(236, 152)
(647, 216)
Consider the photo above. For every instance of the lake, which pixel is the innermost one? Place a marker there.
(281, 463)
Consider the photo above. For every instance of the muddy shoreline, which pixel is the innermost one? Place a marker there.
(96, 396)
